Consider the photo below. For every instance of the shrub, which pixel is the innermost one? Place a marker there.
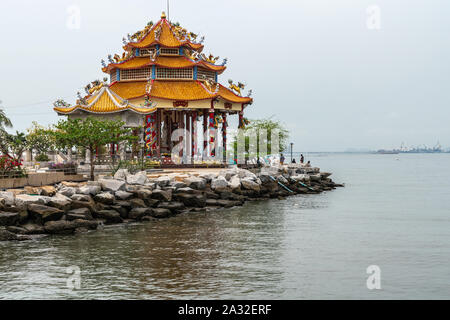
(10, 168)
(42, 158)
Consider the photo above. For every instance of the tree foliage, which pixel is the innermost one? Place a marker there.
(91, 134)
(5, 122)
(41, 139)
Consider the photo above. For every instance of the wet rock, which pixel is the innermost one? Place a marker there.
(123, 195)
(6, 235)
(211, 202)
(132, 189)
(174, 207)
(160, 213)
(187, 190)
(195, 183)
(191, 200)
(212, 195)
(123, 211)
(42, 214)
(112, 184)
(32, 228)
(9, 218)
(88, 224)
(80, 213)
(16, 230)
(84, 204)
(139, 213)
(105, 198)
(178, 185)
(60, 227)
(162, 195)
(139, 178)
(110, 216)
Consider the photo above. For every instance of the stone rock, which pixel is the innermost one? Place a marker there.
(153, 203)
(60, 201)
(228, 203)
(139, 213)
(191, 200)
(88, 224)
(84, 204)
(235, 182)
(208, 176)
(48, 191)
(105, 198)
(16, 230)
(163, 181)
(195, 183)
(42, 214)
(59, 227)
(123, 195)
(80, 213)
(112, 184)
(250, 185)
(9, 218)
(6, 235)
(81, 197)
(121, 174)
(219, 183)
(144, 194)
(139, 178)
(227, 174)
(212, 195)
(161, 213)
(211, 202)
(175, 207)
(186, 190)
(123, 211)
(90, 190)
(111, 216)
(282, 179)
(33, 228)
(264, 177)
(9, 197)
(137, 203)
(247, 174)
(24, 200)
(162, 195)
(67, 191)
(178, 184)
(69, 184)
(131, 188)
(301, 177)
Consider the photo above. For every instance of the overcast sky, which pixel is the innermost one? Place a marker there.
(314, 65)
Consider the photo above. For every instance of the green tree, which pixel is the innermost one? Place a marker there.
(41, 139)
(4, 120)
(90, 134)
(13, 145)
(269, 125)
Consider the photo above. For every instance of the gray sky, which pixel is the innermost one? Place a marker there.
(314, 65)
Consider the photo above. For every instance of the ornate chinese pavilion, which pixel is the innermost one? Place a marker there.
(163, 82)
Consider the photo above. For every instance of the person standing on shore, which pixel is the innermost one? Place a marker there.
(302, 158)
(282, 159)
(308, 165)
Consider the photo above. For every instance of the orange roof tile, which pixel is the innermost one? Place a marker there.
(129, 89)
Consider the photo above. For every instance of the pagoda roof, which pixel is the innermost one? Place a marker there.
(176, 90)
(165, 62)
(167, 38)
(105, 101)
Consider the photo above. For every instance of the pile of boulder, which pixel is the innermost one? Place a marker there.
(70, 207)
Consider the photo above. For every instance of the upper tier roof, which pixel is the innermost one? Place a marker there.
(165, 62)
(167, 38)
(176, 90)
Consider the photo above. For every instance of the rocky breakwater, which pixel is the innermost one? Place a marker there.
(69, 208)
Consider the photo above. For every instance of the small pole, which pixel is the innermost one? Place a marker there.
(292, 147)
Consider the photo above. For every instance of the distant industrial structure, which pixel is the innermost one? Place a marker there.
(419, 149)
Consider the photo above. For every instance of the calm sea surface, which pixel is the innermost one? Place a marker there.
(393, 213)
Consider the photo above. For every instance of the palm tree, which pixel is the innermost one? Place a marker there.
(4, 120)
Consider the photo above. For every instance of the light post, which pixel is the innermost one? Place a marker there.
(292, 147)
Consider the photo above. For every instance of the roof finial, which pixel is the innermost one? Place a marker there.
(163, 15)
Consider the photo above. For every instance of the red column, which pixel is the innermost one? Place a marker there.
(224, 136)
(212, 132)
(193, 135)
(205, 131)
(158, 133)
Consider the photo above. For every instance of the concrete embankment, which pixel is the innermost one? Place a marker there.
(71, 207)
